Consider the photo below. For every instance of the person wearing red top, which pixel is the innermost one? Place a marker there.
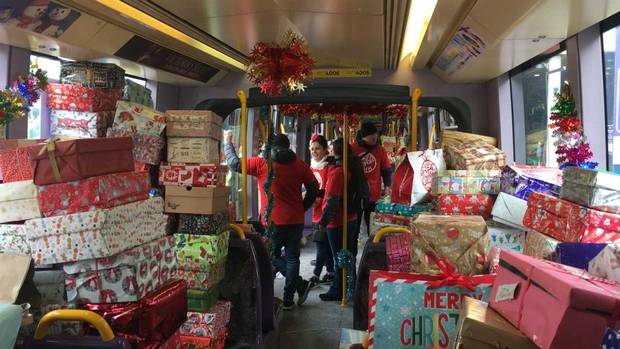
(319, 164)
(287, 215)
(376, 165)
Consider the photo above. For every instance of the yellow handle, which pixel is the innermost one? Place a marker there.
(237, 229)
(389, 230)
(244, 155)
(105, 331)
(414, 119)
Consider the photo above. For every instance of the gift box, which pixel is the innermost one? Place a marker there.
(381, 220)
(193, 342)
(13, 239)
(136, 93)
(156, 317)
(200, 175)
(18, 201)
(606, 263)
(202, 300)
(90, 74)
(64, 161)
(481, 327)
(51, 286)
(14, 159)
(413, 179)
(80, 124)
(125, 277)
(95, 234)
(203, 279)
(95, 192)
(506, 237)
(193, 150)
(611, 339)
(521, 180)
(465, 204)
(474, 156)
(463, 240)
(200, 252)
(467, 182)
(398, 251)
(509, 210)
(386, 206)
(203, 224)
(448, 137)
(416, 310)
(146, 148)
(555, 305)
(193, 123)
(598, 190)
(137, 118)
(107, 96)
(208, 324)
(539, 245)
(576, 254)
(196, 200)
(569, 222)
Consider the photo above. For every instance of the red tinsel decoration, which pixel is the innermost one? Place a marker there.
(398, 111)
(276, 66)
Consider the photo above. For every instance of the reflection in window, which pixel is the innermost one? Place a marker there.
(533, 95)
(38, 118)
(611, 64)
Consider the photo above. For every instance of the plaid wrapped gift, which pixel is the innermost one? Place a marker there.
(200, 252)
(136, 93)
(202, 300)
(194, 175)
(467, 182)
(398, 251)
(203, 224)
(13, 239)
(90, 74)
(194, 123)
(474, 156)
(146, 148)
(137, 118)
(80, 124)
(207, 324)
(598, 190)
(204, 279)
(465, 204)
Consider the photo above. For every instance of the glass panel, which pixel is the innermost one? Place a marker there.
(138, 81)
(38, 118)
(611, 64)
(49, 65)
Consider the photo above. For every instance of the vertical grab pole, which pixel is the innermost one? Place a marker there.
(345, 204)
(244, 156)
(414, 119)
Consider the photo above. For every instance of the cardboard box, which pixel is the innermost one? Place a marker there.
(193, 123)
(196, 200)
(193, 150)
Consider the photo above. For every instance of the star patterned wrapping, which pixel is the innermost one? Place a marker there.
(137, 118)
(386, 206)
(18, 201)
(194, 123)
(465, 204)
(13, 239)
(193, 175)
(146, 148)
(207, 324)
(193, 342)
(467, 182)
(80, 124)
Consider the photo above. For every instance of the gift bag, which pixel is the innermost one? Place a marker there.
(413, 179)
(398, 250)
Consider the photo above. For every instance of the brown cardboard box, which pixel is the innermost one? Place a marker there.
(196, 200)
(193, 150)
(480, 327)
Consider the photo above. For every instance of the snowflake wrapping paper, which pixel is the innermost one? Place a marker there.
(125, 277)
(80, 124)
(522, 180)
(506, 237)
(80, 98)
(208, 324)
(475, 155)
(193, 150)
(607, 263)
(146, 148)
(137, 118)
(465, 204)
(206, 278)
(405, 312)
(95, 234)
(467, 182)
(13, 239)
(199, 175)
(18, 201)
(200, 252)
(202, 300)
(91, 193)
(598, 190)
(194, 123)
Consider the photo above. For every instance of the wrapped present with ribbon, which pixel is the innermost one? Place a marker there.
(146, 148)
(92, 193)
(509, 210)
(461, 239)
(14, 159)
(569, 222)
(80, 124)
(598, 190)
(606, 263)
(398, 251)
(207, 324)
(555, 305)
(213, 224)
(154, 318)
(467, 182)
(202, 300)
(475, 155)
(13, 239)
(539, 245)
(204, 279)
(91, 74)
(63, 161)
(465, 204)
(137, 118)
(125, 277)
(193, 150)
(576, 254)
(194, 175)
(409, 310)
(194, 123)
(199, 252)
(136, 93)
(380, 220)
(85, 98)
(506, 237)
(95, 234)
(193, 342)
(18, 201)
(522, 180)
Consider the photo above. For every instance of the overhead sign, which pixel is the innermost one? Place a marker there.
(328, 73)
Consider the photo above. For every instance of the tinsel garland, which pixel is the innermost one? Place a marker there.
(268, 181)
(15, 102)
(338, 110)
(345, 260)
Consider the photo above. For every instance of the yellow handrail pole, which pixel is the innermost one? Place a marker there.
(102, 326)
(244, 156)
(345, 220)
(414, 119)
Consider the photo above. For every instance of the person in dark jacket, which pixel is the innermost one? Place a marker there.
(287, 215)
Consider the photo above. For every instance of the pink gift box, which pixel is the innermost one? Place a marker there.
(556, 306)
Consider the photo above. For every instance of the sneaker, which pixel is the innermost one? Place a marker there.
(330, 297)
(288, 305)
(327, 278)
(303, 290)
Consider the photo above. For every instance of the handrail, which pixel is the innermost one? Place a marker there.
(237, 229)
(389, 230)
(244, 156)
(104, 329)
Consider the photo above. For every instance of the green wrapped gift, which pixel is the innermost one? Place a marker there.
(202, 300)
(136, 93)
(203, 279)
(199, 252)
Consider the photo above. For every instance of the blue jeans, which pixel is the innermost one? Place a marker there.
(335, 242)
(324, 258)
(289, 237)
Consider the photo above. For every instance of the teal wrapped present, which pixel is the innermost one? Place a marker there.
(386, 206)
(136, 93)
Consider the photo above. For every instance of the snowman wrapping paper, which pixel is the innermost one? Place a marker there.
(40, 16)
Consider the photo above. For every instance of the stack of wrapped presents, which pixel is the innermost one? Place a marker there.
(509, 256)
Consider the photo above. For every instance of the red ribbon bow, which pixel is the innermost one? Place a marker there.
(449, 277)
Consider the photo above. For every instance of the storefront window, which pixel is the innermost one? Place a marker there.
(533, 95)
(611, 64)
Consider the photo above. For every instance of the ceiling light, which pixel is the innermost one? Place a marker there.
(420, 13)
(536, 75)
(159, 26)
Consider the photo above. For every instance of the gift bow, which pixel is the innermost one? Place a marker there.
(449, 277)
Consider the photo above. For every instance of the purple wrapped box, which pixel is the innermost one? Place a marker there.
(576, 254)
(522, 180)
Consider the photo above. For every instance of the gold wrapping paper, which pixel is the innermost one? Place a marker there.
(539, 245)
(461, 239)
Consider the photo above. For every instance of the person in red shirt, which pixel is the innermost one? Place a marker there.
(320, 164)
(376, 165)
(287, 215)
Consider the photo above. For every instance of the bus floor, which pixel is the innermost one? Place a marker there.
(316, 324)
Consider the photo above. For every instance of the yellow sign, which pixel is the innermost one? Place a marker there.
(329, 73)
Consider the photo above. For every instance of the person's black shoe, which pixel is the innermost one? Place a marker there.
(327, 278)
(288, 305)
(315, 279)
(330, 297)
(303, 290)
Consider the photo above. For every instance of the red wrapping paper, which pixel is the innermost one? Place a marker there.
(398, 251)
(79, 98)
(15, 165)
(199, 175)
(155, 317)
(192, 342)
(95, 192)
(569, 222)
(465, 204)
